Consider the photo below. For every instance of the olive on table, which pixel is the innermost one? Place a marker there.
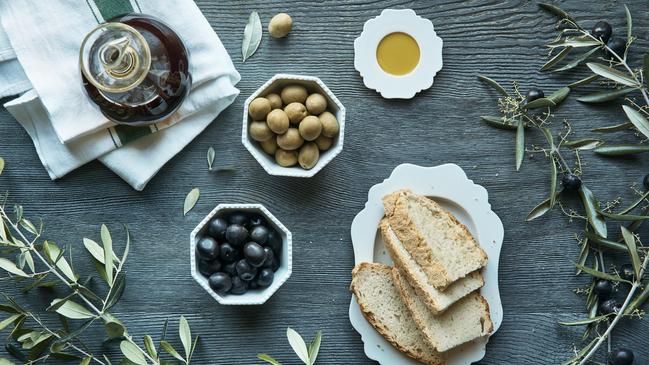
(534, 94)
(220, 282)
(259, 108)
(571, 182)
(310, 128)
(207, 248)
(617, 45)
(316, 104)
(294, 93)
(296, 112)
(609, 307)
(627, 272)
(603, 289)
(621, 356)
(280, 25)
(330, 126)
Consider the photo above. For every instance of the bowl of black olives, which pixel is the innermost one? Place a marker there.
(241, 254)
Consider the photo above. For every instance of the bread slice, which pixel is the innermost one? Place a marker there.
(381, 303)
(464, 321)
(439, 243)
(436, 300)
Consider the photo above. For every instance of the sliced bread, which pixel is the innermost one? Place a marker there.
(441, 245)
(464, 321)
(382, 305)
(436, 300)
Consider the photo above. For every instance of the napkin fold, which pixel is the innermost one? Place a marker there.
(39, 47)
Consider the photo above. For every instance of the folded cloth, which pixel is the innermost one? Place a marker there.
(46, 37)
(12, 78)
(136, 162)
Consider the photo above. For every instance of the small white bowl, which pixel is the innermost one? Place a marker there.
(253, 296)
(274, 85)
(396, 21)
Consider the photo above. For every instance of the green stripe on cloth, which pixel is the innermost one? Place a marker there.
(128, 134)
(112, 8)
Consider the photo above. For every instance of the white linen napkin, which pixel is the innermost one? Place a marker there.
(90, 135)
(46, 37)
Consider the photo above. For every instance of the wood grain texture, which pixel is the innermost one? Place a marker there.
(498, 38)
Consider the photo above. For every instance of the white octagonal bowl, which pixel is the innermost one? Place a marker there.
(281, 275)
(274, 85)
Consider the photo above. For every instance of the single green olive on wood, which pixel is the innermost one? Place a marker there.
(296, 112)
(310, 128)
(277, 121)
(309, 155)
(291, 140)
(280, 25)
(286, 158)
(294, 93)
(259, 108)
(260, 132)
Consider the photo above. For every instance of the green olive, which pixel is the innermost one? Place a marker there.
(296, 112)
(316, 104)
(330, 127)
(291, 140)
(259, 131)
(294, 93)
(277, 121)
(286, 158)
(324, 143)
(309, 155)
(259, 108)
(270, 145)
(275, 101)
(280, 25)
(310, 128)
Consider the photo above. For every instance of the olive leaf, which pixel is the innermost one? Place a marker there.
(638, 301)
(55, 255)
(132, 353)
(629, 240)
(629, 23)
(553, 181)
(595, 219)
(584, 81)
(584, 322)
(577, 62)
(107, 241)
(2, 165)
(150, 346)
(635, 203)
(645, 69)
(556, 11)
(556, 59)
(268, 359)
(614, 128)
(116, 291)
(583, 144)
(494, 84)
(639, 121)
(560, 95)
(72, 310)
(624, 217)
(603, 243)
(10, 320)
(575, 42)
(314, 347)
(599, 274)
(498, 122)
(520, 144)
(541, 209)
(540, 103)
(211, 154)
(297, 343)
(604, 96)
(185, 335)
(166, 346)
(114, 329)
(621, 150)
(251, 36)
(612, 74)
(12, 268)
(190, 200)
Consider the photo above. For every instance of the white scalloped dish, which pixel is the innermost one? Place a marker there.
(449, 186)
(392, 86)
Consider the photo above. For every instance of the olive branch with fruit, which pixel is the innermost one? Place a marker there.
(534, 111)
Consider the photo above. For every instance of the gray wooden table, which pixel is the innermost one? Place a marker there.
(502, 39)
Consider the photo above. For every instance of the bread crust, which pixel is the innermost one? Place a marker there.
(369, 315)
(408, 234)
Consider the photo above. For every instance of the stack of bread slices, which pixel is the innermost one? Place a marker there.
(428, 303)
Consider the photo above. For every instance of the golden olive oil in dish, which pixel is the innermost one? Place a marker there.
(398, 53)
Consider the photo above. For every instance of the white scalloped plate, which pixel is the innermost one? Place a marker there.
(393, 86)
(449, 186)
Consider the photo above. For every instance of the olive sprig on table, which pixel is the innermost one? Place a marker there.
(520, 112)
(612, 65)
(37, 263)
(307, 354)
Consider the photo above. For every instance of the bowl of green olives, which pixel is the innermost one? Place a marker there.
(293, 125)
(241, 254)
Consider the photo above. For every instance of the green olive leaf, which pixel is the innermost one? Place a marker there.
(11, 267)
(251, 36)
(498, 122)
(603, 243)
(638, 301)
(267, 358)
(604, 96)
(612, 74)
(645, 70)
(541, 209)
(575, 42)
(495, 85)
(560, 95)
(114, 329)
(72, 310)
(624, 217)
(520, 144)
(166, 346)
(584, 322)
(107, 241)
(2, 165)
(599, 274)
(190, 200)
(132, 353)
(583, 144)
(639, 121)
(298, 345)
(185, 335)
(629, 240)
(553, 181)
(629, 23)
(556, 11)
(556, 58)
(595, 219)
(314, 347)
(55, 254)
(621, 150)
(584, 81)
(578, 61)
(614, 128)
(540, 103)
(635, 203)
(150, 346)
(211, 155)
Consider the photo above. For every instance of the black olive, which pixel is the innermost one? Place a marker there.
(217, 228)
(245, 271)
(240, 219)
(265, 277)
(259, 234)
(238, 286)
(571, 182)
(534, 94)
(602, 31)
(207, 268)
(645, 181)
(609, 307)
(275, 242)
(228, 253)
(621, 356)
(207, 248)
(254, 254)
(220, 282)
(617, 45)
(603, 289)
(236, 234)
